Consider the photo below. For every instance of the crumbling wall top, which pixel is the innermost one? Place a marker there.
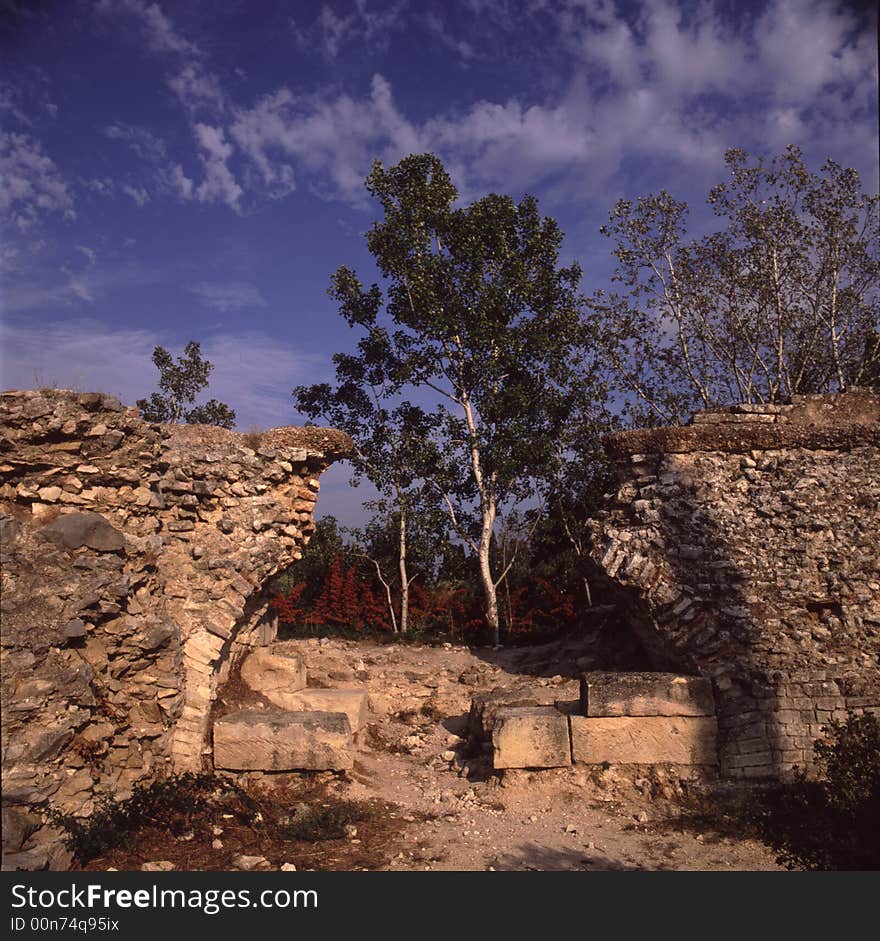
(815, 422)
(329, 442)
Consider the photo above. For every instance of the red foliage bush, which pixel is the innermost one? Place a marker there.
(351, 598)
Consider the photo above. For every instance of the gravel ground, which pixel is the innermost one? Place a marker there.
(463, 816)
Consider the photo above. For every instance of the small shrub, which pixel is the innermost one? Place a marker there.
(168, 804)
(254, 438)
(832, 822)
(327, 822)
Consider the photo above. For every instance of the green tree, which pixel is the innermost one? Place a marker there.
(477, 310)
(581, 478)
(392, 450)
(179, 384)
(326, 543)
(784, 299)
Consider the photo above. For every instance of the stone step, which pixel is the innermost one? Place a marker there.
(485, 706)
(352, 702)
(281, 740)
(273, 670)
(644, 740)
(530, 737)
(606, 694)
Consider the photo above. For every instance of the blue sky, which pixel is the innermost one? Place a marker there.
(194, 170)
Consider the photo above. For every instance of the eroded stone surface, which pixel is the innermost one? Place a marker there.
(530, 737)
(75, 530)
(746, 548)
(644, 740)
(486, 705)
(275, 672)
(280, 740)
(133, 560)
(645, 694)
(351, 702)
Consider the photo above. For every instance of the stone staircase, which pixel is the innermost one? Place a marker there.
(310, 730)
(620, 718)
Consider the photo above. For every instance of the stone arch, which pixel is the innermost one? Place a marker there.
(134, 556)
(746, 544)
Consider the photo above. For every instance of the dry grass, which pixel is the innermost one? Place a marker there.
(301, 823)
(253, 438)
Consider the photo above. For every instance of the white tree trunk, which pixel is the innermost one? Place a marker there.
(489, 587)
(404, 579)
(487, 509)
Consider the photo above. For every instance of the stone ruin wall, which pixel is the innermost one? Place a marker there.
(133, 561)
(745, 547)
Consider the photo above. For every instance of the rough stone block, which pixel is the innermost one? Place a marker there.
(644, 740)
(277, 740)
(353, 702)
(274, 671)
(74, 530)
(485, 706)
(530, 737)
(645, 694)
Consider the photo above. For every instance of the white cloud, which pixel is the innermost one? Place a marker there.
(671, 83)
(26, 99)
(335, 139)
(663, 84)
(366, 27)
(197, 89)
(103, 186)
(253, 373)
(10, 259)
(228, 295)
(137, 193)
(51, 283)
(143, 142)
(11, 103)
(31, 186)
(80, 289)
(181, 183)
(513, 143)
(90, 254)
(438, 28)
(159, 32)
(219, 184)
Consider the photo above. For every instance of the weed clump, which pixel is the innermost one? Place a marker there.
(313, 824)
(170, 804)
(177, 818)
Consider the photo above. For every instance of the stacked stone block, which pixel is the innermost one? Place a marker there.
(134, 557)
(621, 719)
(313, 730)
(745, 548)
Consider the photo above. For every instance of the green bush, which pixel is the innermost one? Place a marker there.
(832, 822)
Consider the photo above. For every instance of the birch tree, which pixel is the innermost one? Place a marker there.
(392, 450)
(783, 299)
(476, 312)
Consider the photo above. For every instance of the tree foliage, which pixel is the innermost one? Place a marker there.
(784, 299)
(393, 450)
(482, 380)
(478, 310)
(179, 384)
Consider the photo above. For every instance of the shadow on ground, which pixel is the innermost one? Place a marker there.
(532, 857)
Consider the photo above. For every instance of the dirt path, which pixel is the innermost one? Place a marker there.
(460, 816)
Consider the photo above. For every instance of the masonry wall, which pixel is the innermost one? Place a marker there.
(133, 563)
(746, 548)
